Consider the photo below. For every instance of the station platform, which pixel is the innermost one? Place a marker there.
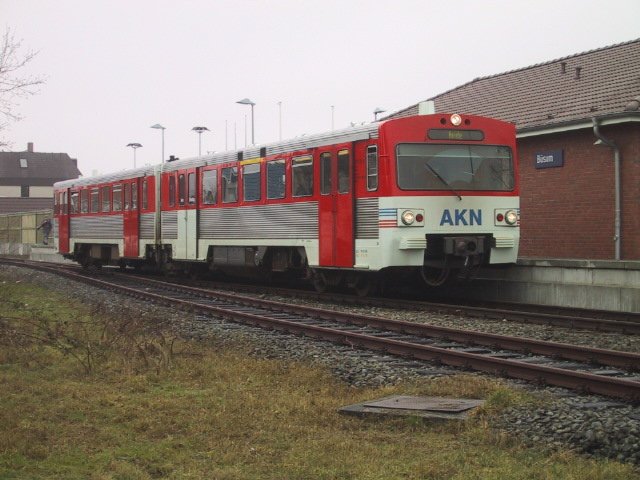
(592, 284)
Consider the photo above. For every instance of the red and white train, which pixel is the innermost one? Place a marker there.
(431, 194)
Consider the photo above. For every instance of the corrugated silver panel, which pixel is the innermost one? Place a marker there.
(169, 225)
(147, 225)
(367, 218)
(107, 226)
(296, 220)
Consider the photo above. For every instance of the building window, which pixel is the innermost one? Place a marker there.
(23, 163)
(24, 191)
(251, 182)
(275, 179)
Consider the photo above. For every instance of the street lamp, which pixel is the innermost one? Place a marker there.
(160, 127)
(246, 101)
(376, 112)
(135, 146)
(199, 130)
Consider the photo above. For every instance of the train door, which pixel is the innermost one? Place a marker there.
(187, 245)
(336, 207)
(131, 224)
(63, 220)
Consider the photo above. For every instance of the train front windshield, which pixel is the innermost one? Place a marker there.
(423, 166)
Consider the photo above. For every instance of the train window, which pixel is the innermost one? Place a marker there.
(74, 202)
(56, 203)
(325, 173)
(209, 187)
(182, 187)
(372, 167)
(451, 167)
(95, 200)
(172, 191)
(251, 182)
(344, 178)
(117, 198)
(84, 201)
(145, 195)
(192, 189)
(302, 172)
(106, 200)
(63, 202)
(275, 179)
(134, 196)
(229, 184)
(127, 196)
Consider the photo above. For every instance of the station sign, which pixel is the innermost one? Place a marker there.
(550, 159)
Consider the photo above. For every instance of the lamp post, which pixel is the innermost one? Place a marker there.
(199, 131)
(376, 112)
(135, 146)
(246, 101)
(160, 127)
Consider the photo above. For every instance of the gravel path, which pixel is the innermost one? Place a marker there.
(589, 424)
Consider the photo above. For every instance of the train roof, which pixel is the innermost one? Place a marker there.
(303, 142)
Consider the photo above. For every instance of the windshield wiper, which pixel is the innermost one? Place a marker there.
(439, 177)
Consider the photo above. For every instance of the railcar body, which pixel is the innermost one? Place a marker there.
(428, 194)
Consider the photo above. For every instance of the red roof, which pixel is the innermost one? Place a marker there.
(599, 82)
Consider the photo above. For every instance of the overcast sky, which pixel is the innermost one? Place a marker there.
(116, 67)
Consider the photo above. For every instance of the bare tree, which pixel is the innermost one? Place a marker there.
(14, 85)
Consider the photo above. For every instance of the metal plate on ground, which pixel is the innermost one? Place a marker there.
(433, 404)
(430, 408)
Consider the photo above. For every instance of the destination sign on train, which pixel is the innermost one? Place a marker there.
(450, 134)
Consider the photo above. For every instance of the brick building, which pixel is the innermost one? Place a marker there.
(575, 117)
(27, 178)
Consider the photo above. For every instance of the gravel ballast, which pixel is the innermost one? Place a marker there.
(592, 425)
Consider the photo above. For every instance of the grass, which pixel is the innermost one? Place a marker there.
(213, 412)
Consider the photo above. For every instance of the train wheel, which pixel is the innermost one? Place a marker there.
(435, 277)
(319, 282)
(366, 285)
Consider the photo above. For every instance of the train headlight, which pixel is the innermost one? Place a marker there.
(408, 217)
(456, 119)
(511, 217)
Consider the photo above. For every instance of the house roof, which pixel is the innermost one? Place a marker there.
(36, 168)
(596, 83)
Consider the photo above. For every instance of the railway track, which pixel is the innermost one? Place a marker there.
(596, 320)
(605, 372)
